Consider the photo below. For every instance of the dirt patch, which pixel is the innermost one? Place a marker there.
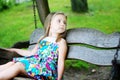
(101, 73)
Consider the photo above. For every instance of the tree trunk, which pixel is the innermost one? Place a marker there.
(79, 5)
(43, 9)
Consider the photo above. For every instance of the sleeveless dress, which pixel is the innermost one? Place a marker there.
(42, 65)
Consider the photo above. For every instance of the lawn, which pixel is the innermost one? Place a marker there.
(17, 23)
(103, 15)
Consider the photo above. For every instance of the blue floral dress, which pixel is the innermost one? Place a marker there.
(42, 65)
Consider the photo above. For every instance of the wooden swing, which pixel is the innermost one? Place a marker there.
(100, 47)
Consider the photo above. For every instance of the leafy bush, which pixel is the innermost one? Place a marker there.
(5, 4)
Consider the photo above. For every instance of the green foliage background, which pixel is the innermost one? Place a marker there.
(5, 4)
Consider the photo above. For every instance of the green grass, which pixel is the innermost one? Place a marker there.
(103, 15)
(78, 65)
(17, 23)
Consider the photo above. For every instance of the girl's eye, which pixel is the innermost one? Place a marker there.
(59, 21)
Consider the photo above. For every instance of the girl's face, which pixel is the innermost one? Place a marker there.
(58, 24)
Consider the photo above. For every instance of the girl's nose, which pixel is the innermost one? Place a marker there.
(62, 23)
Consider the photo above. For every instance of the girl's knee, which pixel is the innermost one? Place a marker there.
(19, 64)
(21, 67)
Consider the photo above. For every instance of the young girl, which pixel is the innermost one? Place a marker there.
(46, 60)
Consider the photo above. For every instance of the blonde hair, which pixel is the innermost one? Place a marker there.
(47, 26)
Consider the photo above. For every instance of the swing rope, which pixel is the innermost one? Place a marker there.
(34, 12)
(116, 54)
(115, 71)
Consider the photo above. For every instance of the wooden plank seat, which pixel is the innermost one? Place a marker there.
(86, 44)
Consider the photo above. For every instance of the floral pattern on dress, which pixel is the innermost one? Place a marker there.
(42, 65)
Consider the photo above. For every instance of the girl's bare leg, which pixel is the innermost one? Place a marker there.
(12, 71)
(5, 66)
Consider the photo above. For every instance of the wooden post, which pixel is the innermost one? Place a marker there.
(43, 9)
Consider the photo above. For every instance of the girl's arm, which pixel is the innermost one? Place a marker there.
(24, 52)
(61, 58)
